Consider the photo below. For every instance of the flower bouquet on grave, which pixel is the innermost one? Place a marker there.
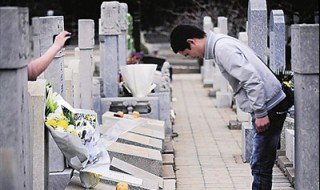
(76, 132)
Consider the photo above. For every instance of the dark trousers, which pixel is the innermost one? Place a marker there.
(265, 145)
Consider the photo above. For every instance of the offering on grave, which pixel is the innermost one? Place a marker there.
(138, 78)
(122, 186)
(76, 132)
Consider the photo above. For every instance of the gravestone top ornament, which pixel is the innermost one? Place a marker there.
(110, 24)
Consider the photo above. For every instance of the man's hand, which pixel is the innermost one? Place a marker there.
(262, 124)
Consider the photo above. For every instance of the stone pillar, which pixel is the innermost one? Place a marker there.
(257, 27)
(110, 31)
(305, 65)
(37, 91)
(207, 74)
(241, 115)
(49, 26)
(15, 133)
(74, 66)
(123, 49)
(35, 37)
(277, 41)
(54, 74)
(68, 84)
(224, 96)
(86, 45)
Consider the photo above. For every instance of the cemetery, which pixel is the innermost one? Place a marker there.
(95, 120)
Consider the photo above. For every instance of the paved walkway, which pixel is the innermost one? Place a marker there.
(207, 153)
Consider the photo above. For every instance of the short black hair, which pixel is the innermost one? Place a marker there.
(180, 34)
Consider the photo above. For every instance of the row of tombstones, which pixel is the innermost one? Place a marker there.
(71, 79)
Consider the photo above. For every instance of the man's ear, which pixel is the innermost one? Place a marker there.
(190, 41)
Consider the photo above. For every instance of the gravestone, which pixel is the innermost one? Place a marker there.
(109, 45)
(123, 50)
(49, 26)
(257, 27)
(241, 115)
(277, 41)
(289, 135)
(224, 96)
(305, 65)
(207, 74)
(86, 45)
(37, 90)
(15, 133)
(68, 85)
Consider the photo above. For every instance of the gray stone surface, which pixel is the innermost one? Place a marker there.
(86, 65)
(68, 86)
(35, 36)
(140, 140)
(110, 18)
(59, 180)
(134, 183)
(109, 67)
(277, 41)
(147, 159)
(135, 171)
(305, 65)
(15, 132)
(123, 49)
(207, 75)
(54, 74)
(49, 26)
(288, 124)
(37, 91)
(289, 133)
(74, 65)
(257, 27)
(164, 109)
(247, 136)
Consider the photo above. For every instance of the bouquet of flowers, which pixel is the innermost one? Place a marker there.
(76, 132)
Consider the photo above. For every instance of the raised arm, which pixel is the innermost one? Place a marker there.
(37, 66)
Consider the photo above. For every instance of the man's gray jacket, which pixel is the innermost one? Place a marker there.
(255, 87)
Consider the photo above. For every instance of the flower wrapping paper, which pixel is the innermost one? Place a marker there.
(76, 132)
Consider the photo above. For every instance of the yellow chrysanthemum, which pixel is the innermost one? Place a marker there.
(51, 122)
(63, 123)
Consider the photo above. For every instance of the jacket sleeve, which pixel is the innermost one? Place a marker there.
(234, 64)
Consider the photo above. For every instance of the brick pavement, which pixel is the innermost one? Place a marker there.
(207, 153)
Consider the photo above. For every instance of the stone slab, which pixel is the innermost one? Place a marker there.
(144, 158)
(134, 183)
(37, 90)
(135, 171)
(223, 99)
(168, 148)
(59, 180)
(140, 140)
(169, 184)
(75, 184)
(290, 174)
(234, 125)
(168, 172)
(108, 119)
(167, 159)
(247, 135)
(283, 163)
